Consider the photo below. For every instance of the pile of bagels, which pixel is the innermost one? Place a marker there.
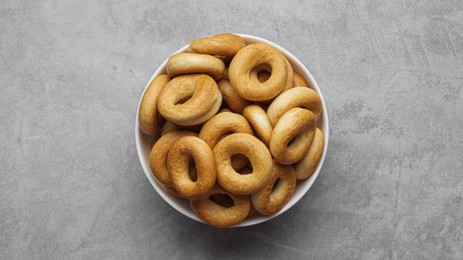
(234, 128)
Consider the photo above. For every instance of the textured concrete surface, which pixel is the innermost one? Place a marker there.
(71, 75)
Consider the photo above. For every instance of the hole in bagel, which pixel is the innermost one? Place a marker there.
(275, 185)
(261, 73)
(192, 171)
(241, 164)
(223, 200)
(184, 99)
(291, 141)
(245, 170)
(263, 76)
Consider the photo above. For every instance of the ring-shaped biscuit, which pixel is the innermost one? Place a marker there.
(178, 163)
(223, 44)
(193, 176)
(222, 124)
(262, 74)
(259, 120)
(278, 190)
(307, 165)
(148, 116)
(193, 63)
(159, 152)
(215, 214)
(250, 57)
(229, 95)
(189, 99)
(292, 135)
(290, 79)
(213, 110)
(294, 97)
(258, 155)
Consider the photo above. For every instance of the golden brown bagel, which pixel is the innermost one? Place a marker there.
(148, 116)
(178, 165)
(257, 153)
(212, 111)
(262, 74)
(294, 97)
(222, 124)
(192, 63)
(159, 152)
(229, 95)
(307, 165)
(213, 213)
(257, 117)
(292, 135)
(275, 195)
(254, 56)
(223, 44)
(189, 99)
(290, 79)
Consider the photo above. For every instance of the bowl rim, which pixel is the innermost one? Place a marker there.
(304, 186)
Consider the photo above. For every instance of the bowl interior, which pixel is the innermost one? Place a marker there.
(144, 142)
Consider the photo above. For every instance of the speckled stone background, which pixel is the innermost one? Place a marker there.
(72, 73)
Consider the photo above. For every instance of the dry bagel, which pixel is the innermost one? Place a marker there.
(277, 192)
(159, 152)
(259, 121)
(307, 165)
(254, 56)
(193, 63)
(294, 97)
(257, 153)
(222, 124)
(178, 161)
(229, 95)
(223, 44)
(148, 116)
(189, 99)
(292, 135)
(213, 213)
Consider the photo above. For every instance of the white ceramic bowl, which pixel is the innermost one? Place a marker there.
(144, 142)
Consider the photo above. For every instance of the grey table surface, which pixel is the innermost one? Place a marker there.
(72, 74)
